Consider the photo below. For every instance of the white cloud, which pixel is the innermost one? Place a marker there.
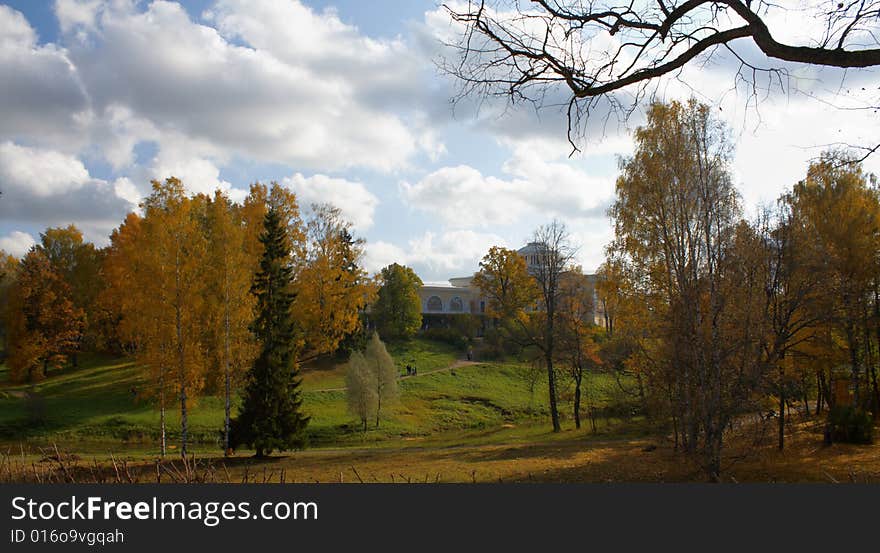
(39, 172)
(73, 14)
(463, 197)
(435, 254)
(40, 92)
(358, 205)
(274, 82)
(16, 243)
(44, 187)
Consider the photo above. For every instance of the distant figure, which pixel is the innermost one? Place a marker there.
(415, 371)
(470, 354)
(409, 370)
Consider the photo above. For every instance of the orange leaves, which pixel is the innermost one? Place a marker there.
(505, 281)
(44, 325)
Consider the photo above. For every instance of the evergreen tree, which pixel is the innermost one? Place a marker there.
(270, 417)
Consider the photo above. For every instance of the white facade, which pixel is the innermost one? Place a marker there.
(460, 296)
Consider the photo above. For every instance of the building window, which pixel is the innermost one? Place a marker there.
(456, 306)
(482, 307)
(435, 304)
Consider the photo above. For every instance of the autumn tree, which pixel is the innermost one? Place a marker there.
(839, 211)
(8, 270)
(384, 372)
(360, 389)
(505, 282)
(398, 308)
(675, 217)
(43, 324)
(78, 263)
(332, 288)
(171, 278)
(229, 344)
(579, 336)
(134, 308)
(606, 56)
(553, 253)
(271, 415)
(260, 199)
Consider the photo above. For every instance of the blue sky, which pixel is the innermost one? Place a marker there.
(340, 101)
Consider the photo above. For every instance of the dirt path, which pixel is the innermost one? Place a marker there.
(457, 364)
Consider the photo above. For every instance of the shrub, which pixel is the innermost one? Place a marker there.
(850, 424)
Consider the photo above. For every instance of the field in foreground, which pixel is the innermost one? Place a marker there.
(573, 456)
(456, 422)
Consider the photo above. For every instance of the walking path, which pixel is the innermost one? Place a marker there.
(457, 364)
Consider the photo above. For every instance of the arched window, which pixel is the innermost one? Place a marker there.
(456, 305)
(435, 304)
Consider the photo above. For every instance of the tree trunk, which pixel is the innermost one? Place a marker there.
(781, 406)
(551, 384)
(228, 385)
(577, 402)
(162, 409)
(181, 360)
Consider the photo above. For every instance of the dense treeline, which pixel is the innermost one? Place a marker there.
(710, 315)
(720, 314)
(174, 289)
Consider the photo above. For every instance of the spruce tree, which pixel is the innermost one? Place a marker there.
(271, 415)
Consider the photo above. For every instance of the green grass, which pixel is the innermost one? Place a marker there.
(422, 354)
(91, 409)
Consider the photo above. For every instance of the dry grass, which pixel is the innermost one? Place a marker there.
(575, 457)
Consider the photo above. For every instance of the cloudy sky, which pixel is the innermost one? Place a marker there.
(341, 101)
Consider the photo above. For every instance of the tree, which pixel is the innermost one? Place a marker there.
(381, 365)
(398, 308)
(78, 263)
(554, 254)
(8, 270)
(43, 324)
(675, 216)
(271, 415)
(579, 335)
(332, 288)
(134, 310)
(171, 278)
(504, 280)
(593, 49)
(360, 388)
(229, 305)
(839, 211)
(370, 381)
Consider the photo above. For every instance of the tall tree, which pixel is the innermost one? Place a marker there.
(675, 217)
(578, 334)
(554, 253)
(43, 324)
(8, 270)
(504, 280)
(174, 246)
(332, 288)
(134, 305)
(78, 263)
(360, 389)
(381, 365)
(271, 415)
(230, 345)
(840, 212)
(398, 308)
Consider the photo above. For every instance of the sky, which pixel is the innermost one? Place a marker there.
(342, 102)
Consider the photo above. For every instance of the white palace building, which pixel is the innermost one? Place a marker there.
(459, 295)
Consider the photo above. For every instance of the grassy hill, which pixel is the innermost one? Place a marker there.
(93, 408)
